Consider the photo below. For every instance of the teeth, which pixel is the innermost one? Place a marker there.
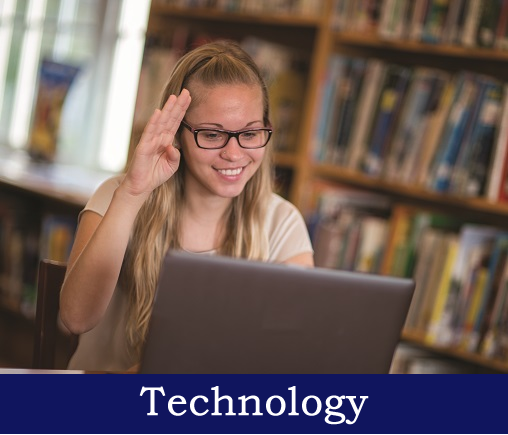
(230, 172)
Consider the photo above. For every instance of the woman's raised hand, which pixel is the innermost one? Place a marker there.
(156, 159)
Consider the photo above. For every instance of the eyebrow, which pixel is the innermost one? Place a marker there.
(221, 127)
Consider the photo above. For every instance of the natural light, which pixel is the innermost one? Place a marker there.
(105, 40)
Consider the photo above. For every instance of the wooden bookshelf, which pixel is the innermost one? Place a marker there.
(478, 209)
(30, 191)
(374, 42)
(283, 19)
(457, 354)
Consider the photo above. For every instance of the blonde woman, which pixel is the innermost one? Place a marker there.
(200, 181)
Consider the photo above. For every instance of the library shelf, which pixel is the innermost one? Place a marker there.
(417, 338)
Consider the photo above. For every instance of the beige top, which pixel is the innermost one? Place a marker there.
(105, 347)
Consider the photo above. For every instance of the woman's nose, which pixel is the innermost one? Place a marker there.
(232, 151)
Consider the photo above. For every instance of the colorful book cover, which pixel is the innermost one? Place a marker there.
(437, 315)
(55, 79)
(500, 153)
(451, 142)
(496, 267)
(348, 112)
(483, 140)
(478, 139)
(475, 247)
(57, 236)
(369, 95)
(389, 103)
(488, 23)
(435, 21)
(412, 118)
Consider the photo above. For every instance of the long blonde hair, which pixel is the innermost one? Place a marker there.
(157, 226)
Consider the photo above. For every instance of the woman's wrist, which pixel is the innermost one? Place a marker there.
(131, 201)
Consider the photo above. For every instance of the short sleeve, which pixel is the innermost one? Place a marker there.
(101, 198)
(287, 232)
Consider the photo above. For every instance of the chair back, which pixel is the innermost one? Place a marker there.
(50, 279)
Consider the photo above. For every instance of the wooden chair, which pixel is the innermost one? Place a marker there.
(50, 279)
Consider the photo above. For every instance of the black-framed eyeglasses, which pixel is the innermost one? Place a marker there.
(214, 138)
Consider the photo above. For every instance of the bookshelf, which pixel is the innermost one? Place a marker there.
(317, 31)
(39, 205)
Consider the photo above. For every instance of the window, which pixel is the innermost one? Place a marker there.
(105, 39)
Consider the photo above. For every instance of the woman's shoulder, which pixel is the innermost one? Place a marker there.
(101, 198)
(286, 230)
(281, 212)
(111, 183)
(281, 208)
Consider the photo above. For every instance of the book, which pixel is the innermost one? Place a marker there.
(470, 170)
(499, 154)
(475, 246)
(371, 246)
(501, 37)
(499, 325)
(411, 125)
(417, 19)
(495, 269)
(483, 140)
(434, 21)
(425, 238)
(369, 94)
(348, 105)
(435, 270)
(54, 80)
(454, 24)
(387, 109)
(471, 22)
(434, 331)
(488, 23)
(57, 236)
(491, 346)
(455, 128)
(324, 118)
(440, 103)
(393, 18)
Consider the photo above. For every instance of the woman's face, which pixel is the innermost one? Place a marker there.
(222, 172)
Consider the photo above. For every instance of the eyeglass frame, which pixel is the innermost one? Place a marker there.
(236, 134)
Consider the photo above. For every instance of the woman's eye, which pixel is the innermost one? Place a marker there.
(248, 135)
(212, 135)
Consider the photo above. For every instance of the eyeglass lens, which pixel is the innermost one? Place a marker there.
(247, 139)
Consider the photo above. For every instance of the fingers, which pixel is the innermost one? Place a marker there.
(165, 123)
(174, 111)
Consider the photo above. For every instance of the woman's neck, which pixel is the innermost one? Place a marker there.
(202, 224)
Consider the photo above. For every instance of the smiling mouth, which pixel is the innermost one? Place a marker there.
(230, 172)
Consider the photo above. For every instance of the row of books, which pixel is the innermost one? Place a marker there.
(298, 7)
(470, 23)
(410, 359)
(283, 69)
(422, 126)
(349, 228)
(461, 275)
(460, 268)
(25, 237)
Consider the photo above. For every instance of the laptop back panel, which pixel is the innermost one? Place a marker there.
(216, 314)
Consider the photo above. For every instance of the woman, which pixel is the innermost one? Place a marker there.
(199, 180)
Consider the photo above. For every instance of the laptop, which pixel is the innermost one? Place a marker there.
(219, 315)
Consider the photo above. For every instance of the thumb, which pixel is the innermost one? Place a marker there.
(173, 153)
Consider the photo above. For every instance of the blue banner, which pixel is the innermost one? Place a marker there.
(108, 403)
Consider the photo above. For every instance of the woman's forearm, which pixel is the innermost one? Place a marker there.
(95, 263)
